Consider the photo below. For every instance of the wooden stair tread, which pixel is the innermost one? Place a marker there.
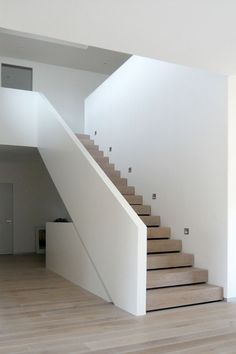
(118, 181)
(151, 220)
(169, 260)
(164, 246)
(158, 232)
(183, 295)
(142, 209)
(112, 173)
(101, 159)
(93, 149)
(134, 199)
(96, 153)
(127, 190)
(176, 276)
(83, 136)
(87, 142)
(106, 165)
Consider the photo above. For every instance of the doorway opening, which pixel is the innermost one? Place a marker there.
(6, 218)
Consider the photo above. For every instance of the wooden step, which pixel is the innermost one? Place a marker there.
(158, 232)
(87, 142)
(107, 167)
(160, 246)
(118, 181)
(92, 148)
(96, 153)
(101, 160)
(183, 295)
(83, 136)
(175, 276)
(151, 220)
(142, 209)
(134, 199)
(169, 260)
(127, 190)
(112, 173)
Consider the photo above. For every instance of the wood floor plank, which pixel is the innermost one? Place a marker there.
(40, 312)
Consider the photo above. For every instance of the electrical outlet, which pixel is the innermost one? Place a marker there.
(110, 148)
(186, 231)
(130, 169)
(154, 196)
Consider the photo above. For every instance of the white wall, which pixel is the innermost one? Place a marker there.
(65, 88)
(169, 123)
(35, 198)
(18, 115)
(231, 291)
(66, 256)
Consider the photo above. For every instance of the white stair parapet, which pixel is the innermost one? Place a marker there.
(66, 256)
(112, 234)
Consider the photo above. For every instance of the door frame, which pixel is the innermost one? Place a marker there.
(13, 214)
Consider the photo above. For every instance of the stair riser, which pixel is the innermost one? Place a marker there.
(158, 232)
(159, 246)
(134, 199)
(157, 280)
(151, 220)
(118, 182)
(87, 143)
(107, 167)
(170, 261)
(102, 160)
(126, 190)
(112, 174)
(142, 209)
(96, 154)
(93, 149)
(83, 136)
(156, 301)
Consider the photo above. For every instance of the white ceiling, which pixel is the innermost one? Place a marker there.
(199, 33)
(90, 59)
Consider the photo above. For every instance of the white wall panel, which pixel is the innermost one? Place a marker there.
(169, 123)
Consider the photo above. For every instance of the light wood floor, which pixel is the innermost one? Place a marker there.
(41, 312)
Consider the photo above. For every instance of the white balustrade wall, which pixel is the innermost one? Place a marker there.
(18, 117)
(111, 244)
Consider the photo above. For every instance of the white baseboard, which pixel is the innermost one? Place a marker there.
(230, 299)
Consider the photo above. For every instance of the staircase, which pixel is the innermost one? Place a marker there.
(171, 278)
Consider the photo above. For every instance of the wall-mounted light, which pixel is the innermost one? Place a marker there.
(186, 231)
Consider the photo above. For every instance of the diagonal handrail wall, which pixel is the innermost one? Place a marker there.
(113, 235)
